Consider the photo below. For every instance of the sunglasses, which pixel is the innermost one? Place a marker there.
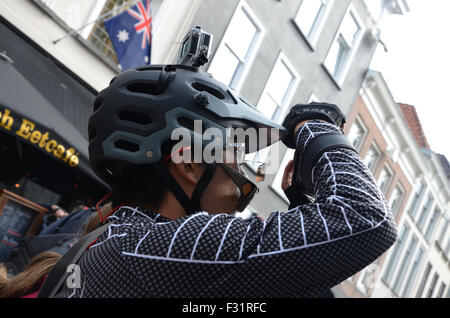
(246, 187)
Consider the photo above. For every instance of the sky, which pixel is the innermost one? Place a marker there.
(417, 65)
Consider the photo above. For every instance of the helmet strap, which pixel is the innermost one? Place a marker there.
(203, 183)
(190, 205)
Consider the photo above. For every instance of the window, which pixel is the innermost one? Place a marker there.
(368, 277)
(276, 184)
(344, 46)
(372, 157)
(417, 198)
(238, 48)
(395, 256)
(426, 274)
(357, 133)
(442, 232)
(275, 98)
(385, 178)
(426, 207)
(441, 290)
(47, 2)
(413, 272)
(375, 8)
(310, 17)
(432, 224)
(396, 199)
(447, 249)
(404, 265)
(432, 285)
(280, 87)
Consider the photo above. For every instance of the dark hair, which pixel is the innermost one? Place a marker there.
(138, 185)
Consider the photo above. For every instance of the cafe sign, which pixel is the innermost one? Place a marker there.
(27, 130)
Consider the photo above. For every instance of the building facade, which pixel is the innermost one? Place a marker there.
(55, 57)
(281, 53)
(416, 186)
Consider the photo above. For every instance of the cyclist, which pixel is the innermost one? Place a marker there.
(173, 232)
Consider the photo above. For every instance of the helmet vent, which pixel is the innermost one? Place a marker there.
(147, 88)
(135, 117)
(126, 145)
(203, 88)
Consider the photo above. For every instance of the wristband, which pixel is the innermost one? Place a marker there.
(315, 150)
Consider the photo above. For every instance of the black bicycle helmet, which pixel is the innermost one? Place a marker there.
(135, 115)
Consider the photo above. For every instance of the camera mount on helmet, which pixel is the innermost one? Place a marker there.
(195, 48)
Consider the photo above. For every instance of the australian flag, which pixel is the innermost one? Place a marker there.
(131, 35)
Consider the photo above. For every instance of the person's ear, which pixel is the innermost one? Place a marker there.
(189, 172)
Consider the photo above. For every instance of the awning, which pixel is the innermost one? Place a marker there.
(27, 115)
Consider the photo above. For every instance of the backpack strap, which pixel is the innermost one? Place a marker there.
(58, 274)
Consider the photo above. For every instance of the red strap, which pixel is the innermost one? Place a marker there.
(90, 244)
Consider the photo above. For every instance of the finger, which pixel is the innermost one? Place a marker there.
(287, 175)
(290, 166)
(288, 169)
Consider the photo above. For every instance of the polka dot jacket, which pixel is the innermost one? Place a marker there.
(298, 253)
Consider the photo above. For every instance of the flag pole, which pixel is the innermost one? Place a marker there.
(73, 31)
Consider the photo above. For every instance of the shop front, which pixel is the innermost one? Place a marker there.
(44, 110)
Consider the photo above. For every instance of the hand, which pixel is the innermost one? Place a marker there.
(58, 212)
(302, 112)
(302, 123)
(286, 182)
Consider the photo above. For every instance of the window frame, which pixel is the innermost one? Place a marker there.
(443, 232)
(290, 92)
(273, 186)
(312, 37)
(407, 257)
(361, 284)
(388, 185)
(442, 288)
(374, 145)
(358, 120)
(423, 217)
(412, 273)
(417, 199)
(431, 227)
(371, 11)
(432, 287)
(243, 68)
(424, 280)
(340, 78)
(395, 209)
(390, 271)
